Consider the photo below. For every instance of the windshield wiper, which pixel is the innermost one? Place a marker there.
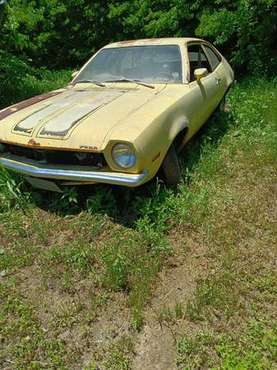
(98, 83)
(139, 82)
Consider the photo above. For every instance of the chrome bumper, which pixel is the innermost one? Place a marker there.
(34, 169)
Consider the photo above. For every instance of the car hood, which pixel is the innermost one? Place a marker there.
(74, 117)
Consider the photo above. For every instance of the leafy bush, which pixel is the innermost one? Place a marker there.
(65, 33)
(245, 29)
(12, 72)
(18, 80)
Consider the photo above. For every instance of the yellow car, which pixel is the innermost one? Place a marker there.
(126, 114)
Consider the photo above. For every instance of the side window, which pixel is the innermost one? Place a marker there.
(197, 59)
(213, 57)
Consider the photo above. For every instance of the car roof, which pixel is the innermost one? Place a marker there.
(153, 41)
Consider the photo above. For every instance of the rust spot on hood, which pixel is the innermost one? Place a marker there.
(26, 103)
(33, 142)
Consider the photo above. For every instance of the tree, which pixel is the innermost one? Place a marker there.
(64, 33)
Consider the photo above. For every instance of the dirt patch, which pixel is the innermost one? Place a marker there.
(85, 321)
(156, 344)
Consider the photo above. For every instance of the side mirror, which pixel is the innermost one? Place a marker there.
(200, 73)
(74, 73)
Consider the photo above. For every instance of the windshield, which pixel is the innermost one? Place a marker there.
(154, 64)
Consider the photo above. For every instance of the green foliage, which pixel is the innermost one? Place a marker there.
(248, 28)
(127, 263)
(11, 192)
(18, 80)
(53, 33)
(118, 355)
(193, 352)
(65, 33)
(18, 320)
(12, 71)
(260, 348)
(257, 349)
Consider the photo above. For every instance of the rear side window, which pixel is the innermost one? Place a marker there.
(197, 59)
(213, 57)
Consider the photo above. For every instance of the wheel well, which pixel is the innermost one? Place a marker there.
(179, 139)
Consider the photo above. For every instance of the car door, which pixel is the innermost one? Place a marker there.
(204, 94)
(217, 67)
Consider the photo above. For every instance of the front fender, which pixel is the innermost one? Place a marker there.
(177, 126)
(155, 144)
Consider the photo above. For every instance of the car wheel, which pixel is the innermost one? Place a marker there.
(171, 168)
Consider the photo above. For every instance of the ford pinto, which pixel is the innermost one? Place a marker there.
(126, 114)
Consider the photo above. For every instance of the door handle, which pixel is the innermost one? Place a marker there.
(217, 80)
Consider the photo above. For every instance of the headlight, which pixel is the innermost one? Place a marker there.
(123, 155)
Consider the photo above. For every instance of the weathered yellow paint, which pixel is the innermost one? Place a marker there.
(147, 119)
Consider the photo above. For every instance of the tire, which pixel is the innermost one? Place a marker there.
(171, 168)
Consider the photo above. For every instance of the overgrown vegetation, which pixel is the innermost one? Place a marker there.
(80, 265)
(18, 80)
(64, 34)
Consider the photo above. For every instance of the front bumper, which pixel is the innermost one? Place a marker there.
(70, 173)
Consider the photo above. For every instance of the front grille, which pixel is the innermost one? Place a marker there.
(58, 156)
